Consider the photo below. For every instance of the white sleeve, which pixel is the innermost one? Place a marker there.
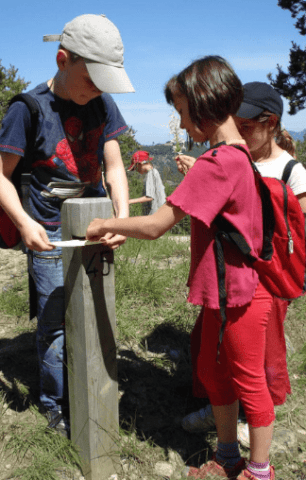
(297, 179)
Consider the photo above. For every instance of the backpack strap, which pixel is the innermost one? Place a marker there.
(226, 231)
(24, 168)
(288, 169)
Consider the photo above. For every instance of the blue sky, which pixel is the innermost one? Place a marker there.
(160, 37)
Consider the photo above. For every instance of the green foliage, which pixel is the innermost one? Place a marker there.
(297, 9)
(128, 145)
(154, 385)
(292, 84)
(15, 300)
(137, 272)
(136, 187)
(150, 279)
(301, 151)
(10, 85)
(302, 358)
(48, 451)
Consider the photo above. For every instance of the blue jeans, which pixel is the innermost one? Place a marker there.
(46, 269)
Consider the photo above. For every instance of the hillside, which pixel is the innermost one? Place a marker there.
(164, 159)
(298, 135)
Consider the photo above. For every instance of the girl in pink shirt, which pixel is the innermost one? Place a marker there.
(207, 95)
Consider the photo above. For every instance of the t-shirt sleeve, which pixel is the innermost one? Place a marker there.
(150, 190)
(204, 191)
(15, 127)
(115, 123)
(297, 179)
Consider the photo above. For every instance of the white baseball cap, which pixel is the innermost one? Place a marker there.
(98, 41)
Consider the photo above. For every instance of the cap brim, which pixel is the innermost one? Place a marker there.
(248, 111)
(109, 79)
(131, 167)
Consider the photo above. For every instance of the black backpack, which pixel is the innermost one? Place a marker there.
(9, 234)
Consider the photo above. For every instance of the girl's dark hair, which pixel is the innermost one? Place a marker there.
(212, 89)
(282, 137)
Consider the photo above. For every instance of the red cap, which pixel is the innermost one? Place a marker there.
(139, 157)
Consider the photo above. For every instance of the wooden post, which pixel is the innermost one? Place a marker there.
(90, 338)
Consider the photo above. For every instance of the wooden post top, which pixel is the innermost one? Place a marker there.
(79, 212)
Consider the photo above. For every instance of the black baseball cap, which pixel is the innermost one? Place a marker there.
(257, 98)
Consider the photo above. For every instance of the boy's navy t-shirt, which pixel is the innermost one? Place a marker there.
(69, 146)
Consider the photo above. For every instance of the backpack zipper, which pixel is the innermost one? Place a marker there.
(290, 240)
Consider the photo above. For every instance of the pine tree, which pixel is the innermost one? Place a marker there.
(292, 84)
(300, 148)
(10, 85)
(128, 145)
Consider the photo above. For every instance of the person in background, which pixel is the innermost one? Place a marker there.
(77, 132)
(207, 94)
(154, 191)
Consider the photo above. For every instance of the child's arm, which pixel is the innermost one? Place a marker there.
(140, 200)
(33, 234)
(302, 200)
(149, 227)
(117, 184)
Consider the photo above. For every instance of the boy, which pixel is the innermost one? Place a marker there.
(76, 132)
(154, 190)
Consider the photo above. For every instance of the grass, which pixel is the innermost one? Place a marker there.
(14, 301)
(154, 374)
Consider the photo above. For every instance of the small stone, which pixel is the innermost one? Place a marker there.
(163, 469)
(289, 346)
(284, 443)
(175, 459)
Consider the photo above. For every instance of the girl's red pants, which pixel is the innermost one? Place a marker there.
(245, 367)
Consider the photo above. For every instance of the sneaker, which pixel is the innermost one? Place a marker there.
(243, 434)
(199, 421)
(245, 474)
(58, 422)
(214, 468)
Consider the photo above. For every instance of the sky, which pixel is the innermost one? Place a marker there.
(160, 37)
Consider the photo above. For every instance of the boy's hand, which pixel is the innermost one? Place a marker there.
(34, 236)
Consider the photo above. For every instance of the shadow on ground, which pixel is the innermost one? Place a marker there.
(157, 394)
(154, 383)
(19, 379)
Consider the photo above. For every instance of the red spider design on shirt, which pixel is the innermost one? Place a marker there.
(78, 152)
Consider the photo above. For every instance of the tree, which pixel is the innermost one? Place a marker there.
(300, 149)
(292, 84)
(10, 85)
(128, 145)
